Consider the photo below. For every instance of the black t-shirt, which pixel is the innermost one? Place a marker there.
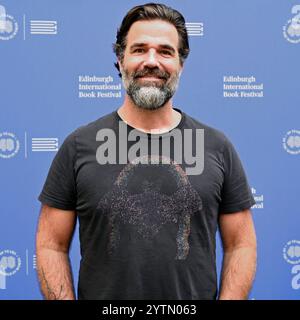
(147, 229)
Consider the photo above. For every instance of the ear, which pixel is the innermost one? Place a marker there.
(119, 64)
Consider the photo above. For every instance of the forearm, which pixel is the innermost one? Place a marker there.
(54, 273)
(238, 272)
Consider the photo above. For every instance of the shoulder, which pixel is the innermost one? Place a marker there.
(89, 129)
(213, 137)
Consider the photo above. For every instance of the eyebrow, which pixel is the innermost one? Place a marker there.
(163, 46)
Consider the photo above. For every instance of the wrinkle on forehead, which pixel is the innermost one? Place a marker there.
(156, 32)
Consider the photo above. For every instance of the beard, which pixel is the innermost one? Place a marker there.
(147, 94)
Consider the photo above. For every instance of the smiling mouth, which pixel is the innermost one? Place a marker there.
(151, 78)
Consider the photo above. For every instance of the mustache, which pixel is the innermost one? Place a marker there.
(151, 73)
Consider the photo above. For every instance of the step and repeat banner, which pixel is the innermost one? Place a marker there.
(242, 77)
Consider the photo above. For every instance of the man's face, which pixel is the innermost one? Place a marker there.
(151, 66)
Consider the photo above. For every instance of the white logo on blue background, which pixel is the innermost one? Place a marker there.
(291, 142)
(194, 28)
(8, 25)
(291, 252)
(9, 145)
(10, 262)
(43, 27)
(44, 144)
(291, 30)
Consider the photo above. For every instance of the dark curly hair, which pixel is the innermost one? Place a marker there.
(152, 11)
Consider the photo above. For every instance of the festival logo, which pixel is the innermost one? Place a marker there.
(291, 142)
(10, 262)
(44, 27)
(9, 145)
(291, 29)
(8, 25)
(291, 252)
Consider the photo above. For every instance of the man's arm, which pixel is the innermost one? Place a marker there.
(239, 260)
(53, 238)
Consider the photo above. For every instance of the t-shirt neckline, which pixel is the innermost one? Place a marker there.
(153, 135)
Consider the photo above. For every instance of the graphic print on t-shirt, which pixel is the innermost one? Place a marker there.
(142, 198)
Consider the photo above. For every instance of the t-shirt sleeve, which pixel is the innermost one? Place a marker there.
(59, 190)
(236, 194)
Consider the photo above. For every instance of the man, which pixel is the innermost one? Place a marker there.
(147, 218)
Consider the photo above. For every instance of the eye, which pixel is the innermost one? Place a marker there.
(138, 50)
(166, 53)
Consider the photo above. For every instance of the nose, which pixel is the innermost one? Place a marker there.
(151, 59)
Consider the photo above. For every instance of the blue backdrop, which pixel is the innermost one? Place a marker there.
(241, 77)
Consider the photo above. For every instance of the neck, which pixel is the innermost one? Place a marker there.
(155, 121)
